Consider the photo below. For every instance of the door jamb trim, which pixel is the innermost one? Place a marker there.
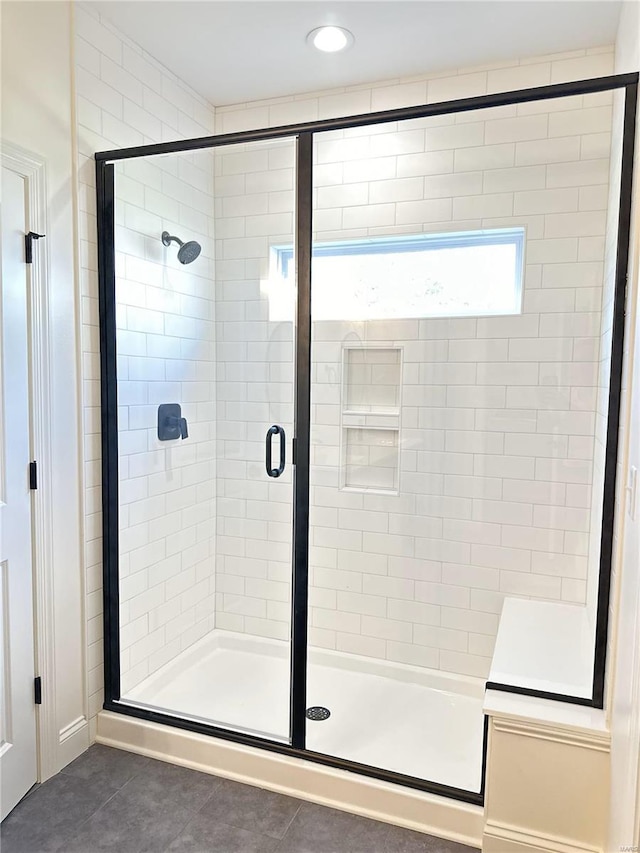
(32, 168)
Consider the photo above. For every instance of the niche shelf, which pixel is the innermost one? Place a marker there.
(371, 380)
(371, 459)
(370, 418)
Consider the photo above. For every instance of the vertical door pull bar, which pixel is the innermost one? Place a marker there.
(275, 430)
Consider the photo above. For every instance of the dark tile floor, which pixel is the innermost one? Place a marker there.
(118, 801)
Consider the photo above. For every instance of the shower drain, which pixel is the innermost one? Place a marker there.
(317, 712)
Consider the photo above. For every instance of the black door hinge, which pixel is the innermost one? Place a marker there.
(28, 245)
(293, 451)
(33, 475)
(37, 690)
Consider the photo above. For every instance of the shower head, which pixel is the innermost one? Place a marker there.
(187, 252)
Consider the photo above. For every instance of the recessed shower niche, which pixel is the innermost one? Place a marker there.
(371, 380)
(371, 391)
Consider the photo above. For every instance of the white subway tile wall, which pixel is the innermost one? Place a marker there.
(254, 190)
(165, 344)
(165, 340)
(417, 576)
(488, 417)
(489, 495)
(497, 415)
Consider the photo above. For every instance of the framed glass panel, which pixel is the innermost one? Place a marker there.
(205, 416)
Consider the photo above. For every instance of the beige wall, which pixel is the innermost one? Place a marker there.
(624, 649)
(37, 116)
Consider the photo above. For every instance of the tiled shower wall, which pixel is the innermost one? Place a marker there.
(254, 353)
(165, 315)
(124, 97)
(498, 414)
(498, 418)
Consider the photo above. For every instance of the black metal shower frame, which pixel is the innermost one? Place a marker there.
(303, 134)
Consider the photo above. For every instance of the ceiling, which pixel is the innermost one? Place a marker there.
(231, 51)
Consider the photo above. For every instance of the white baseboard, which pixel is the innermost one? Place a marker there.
(73, 741)
(502, 838)
(296, 777)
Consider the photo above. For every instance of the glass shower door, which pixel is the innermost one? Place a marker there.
(462, 291)
(205, 389)
(385, 260)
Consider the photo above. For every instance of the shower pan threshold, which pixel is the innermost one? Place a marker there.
(412, 720)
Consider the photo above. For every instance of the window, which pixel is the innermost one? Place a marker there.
(427, 275)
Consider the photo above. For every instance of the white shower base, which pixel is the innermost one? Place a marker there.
(414, 721)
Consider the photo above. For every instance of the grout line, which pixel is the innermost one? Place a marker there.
(297, 811)
(100, 807)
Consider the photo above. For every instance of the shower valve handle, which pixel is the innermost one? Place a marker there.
(275, 430)
(181, 423)
(171, 424)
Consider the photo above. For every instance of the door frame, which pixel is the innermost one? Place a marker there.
(304, 132)
(32, 168)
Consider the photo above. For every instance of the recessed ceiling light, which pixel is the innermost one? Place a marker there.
(330, 39)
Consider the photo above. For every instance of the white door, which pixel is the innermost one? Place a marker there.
(18, 758)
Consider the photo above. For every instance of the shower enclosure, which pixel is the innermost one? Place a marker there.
(367, 393)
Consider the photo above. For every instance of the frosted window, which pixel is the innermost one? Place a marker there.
(429, 275)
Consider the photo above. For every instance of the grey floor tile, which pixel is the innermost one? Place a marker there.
(317, 829)
(130, 825)
(400, 840)
(248, 807)
(171, 786)
(206, 834)
(102, 761)
(120, 802)
(44, 821)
